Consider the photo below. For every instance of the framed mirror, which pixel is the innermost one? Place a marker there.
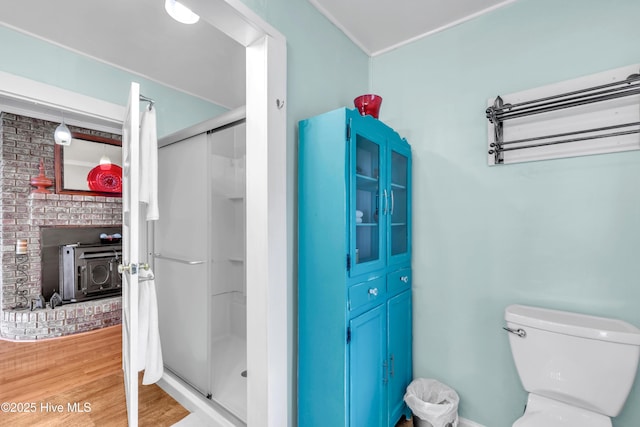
(91, 165)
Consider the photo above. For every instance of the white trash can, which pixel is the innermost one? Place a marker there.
(433, 404)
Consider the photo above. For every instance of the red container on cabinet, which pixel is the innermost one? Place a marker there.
(368, 104)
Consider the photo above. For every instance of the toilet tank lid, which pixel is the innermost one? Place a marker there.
(575, 324)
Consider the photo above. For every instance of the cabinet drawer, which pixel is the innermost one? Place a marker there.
(399, 281)
(366, 292)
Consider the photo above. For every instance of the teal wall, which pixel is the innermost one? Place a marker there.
(37, 60)
(559, 233)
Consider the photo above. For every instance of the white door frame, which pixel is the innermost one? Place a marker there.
(267, 262)
(268, 296)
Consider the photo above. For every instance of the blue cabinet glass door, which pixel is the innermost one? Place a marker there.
(368, 369)
(399, 217)
(368, 197)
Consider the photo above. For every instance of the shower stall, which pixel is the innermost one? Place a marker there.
(198, 257)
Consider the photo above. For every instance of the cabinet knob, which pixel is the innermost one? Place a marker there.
(405, 279)
(373, 291)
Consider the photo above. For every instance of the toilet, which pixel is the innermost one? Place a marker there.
(578, 369)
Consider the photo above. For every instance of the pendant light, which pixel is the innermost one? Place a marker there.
(62, 134)
(180, 12)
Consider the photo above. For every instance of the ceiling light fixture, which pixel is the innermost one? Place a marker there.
(62, 134)
(180, 12)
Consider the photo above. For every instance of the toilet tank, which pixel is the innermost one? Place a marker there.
(585, 361)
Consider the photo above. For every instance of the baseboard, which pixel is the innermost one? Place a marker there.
(463, 422)
(194, 402)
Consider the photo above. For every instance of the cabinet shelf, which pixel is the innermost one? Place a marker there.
(238, 260)
(398, 224)
(364, 182)
(366, 224)
(366, 177)
(398, 186)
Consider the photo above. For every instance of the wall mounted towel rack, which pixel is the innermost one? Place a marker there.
(599, 112)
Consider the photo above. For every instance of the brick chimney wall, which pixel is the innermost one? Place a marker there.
(24, 141)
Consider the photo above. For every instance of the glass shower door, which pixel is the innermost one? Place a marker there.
(199, 264)
(181, 260)
(228, 290)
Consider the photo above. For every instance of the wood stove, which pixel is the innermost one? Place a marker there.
(89, 271)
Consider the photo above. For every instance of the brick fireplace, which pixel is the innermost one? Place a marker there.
(24, 142)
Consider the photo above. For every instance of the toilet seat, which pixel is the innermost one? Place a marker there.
(545, 412)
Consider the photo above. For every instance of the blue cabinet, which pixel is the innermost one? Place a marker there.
(367, 369)
(354, 271)
(399, 350)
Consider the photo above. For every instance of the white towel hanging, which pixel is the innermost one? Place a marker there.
(149, 163)
(150, 350)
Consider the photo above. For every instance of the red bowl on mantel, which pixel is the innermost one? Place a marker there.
(368, 104)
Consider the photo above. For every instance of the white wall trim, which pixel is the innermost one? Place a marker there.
(358, 43)
(20, 95)
(463, 422)
(341, 27)
(444, 27)
(268, 286)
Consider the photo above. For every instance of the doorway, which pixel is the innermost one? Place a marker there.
(267, 263)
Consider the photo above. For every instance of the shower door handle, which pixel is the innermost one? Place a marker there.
(181, 261)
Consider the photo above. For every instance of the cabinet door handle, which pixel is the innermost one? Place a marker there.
(391, 371)
(405, 279)
(392, 203)
(386, 202)
(373, 291)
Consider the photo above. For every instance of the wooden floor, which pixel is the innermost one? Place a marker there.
(404, 423)
(75, 381)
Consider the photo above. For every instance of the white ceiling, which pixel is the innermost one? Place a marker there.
(378, 25)
(138, 36)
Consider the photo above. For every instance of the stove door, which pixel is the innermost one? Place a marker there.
(98, 276)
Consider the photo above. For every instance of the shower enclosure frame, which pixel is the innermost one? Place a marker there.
(213, 195)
